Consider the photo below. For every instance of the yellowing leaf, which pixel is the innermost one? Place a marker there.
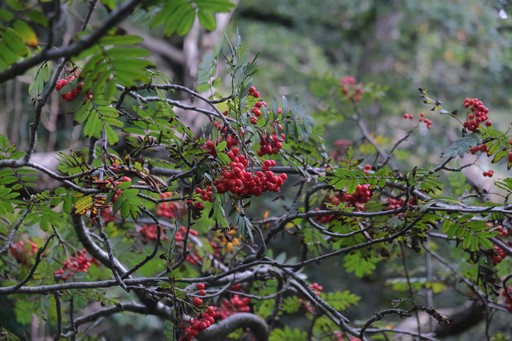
(26, 33)
(83, 205)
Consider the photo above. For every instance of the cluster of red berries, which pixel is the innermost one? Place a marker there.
(508, 301)
(393, 204)
(198, 324)
(206, 194)
(488, 173)
(22, 250)
(237, 180)
(182, 232)
(107, 215)
(360, 197)
(479, 148)
(233, 305)
(212, 314)
(74, 264)
(350, 89)
(167, 209)
(425, 120)
(498, 255)
(209, 146)
(510, 153)
(256, 110)
(201, 287)
(502, 231)
(477, 114)
(367, 168)
(150, 232)
(70, 95)
(422, 119)
(317, 289)
(253, 92)
(271, 144)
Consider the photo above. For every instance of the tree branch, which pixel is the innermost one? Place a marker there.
(221, 329)
(115, 17)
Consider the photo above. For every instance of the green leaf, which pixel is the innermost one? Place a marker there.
(207, 19)
(462, 145)
(42, 76)
(287, 334)
(127, 203)
(6, 200)
(291, 305)
(360, 264)
(340, 300)
(474, 234)
(215, 6)
(111, 134)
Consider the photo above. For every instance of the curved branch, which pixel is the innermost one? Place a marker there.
(221, 329)
(105, 312)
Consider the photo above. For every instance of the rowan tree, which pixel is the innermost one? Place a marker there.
(148, 213)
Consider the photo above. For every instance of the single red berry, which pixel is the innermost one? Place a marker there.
(197, 301)
(201, 286)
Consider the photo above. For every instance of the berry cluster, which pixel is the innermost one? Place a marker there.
(70, 95)
(393, 204)
(168, 209)
(209, 146)
(150, 232)
(74, 264)
(107, 214)
(237, 180)
(427, 121)
(488, 173)
(502, 231)
(350, 89)
(367, 168)
(508, 301)
(22, 250)
(422, 119)
(206, 194)
(477, 114)
(360, 197)
(479, 148)
(228, 307)
(256, 110)
(201, 287)
(197, 325)
(182, 232)
(253, 92)
(498, 255)
(317, 289)
(271, 144)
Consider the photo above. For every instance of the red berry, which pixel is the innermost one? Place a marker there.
(201, 286)
(197, 301)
